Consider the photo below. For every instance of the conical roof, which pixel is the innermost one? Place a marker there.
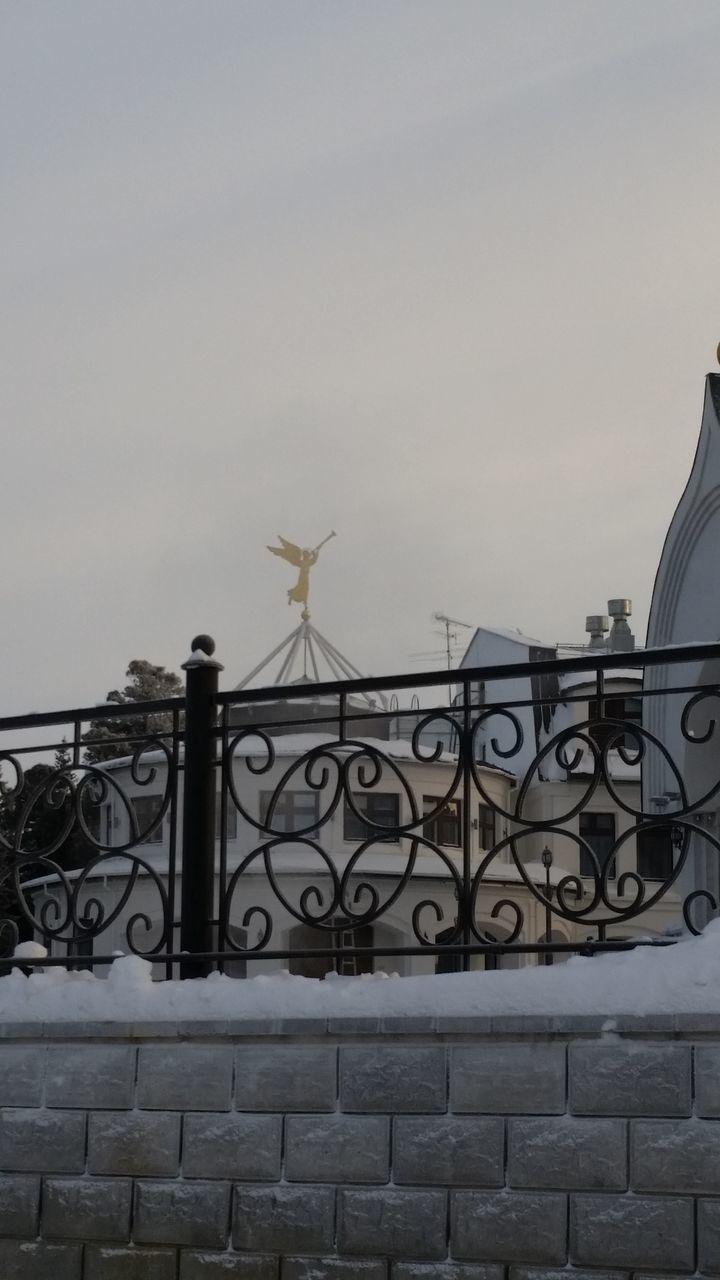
(306, 656)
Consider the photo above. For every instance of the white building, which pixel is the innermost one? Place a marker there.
(362, 839)
(524, 799)
(578, 782)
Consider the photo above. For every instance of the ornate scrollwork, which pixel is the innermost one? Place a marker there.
(596, 755)
(347, 833)
(54, 851)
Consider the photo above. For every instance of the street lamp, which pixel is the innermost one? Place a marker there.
(546, 858)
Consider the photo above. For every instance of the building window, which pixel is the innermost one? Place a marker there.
(486, 827)
(553, 957)
(452, 961)
(147, 810)
(618, 708)
(655, 853)
(379, 807)
(230, 818)
(446, 826)
(292, 811)
(342, 934)
(98, 821)
(598, 832)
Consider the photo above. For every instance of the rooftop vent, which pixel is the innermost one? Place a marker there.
(596, 624)
(621, 638)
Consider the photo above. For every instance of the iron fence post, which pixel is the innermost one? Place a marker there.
(198, 839)
(546, 858)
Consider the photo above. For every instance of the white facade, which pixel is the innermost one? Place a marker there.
(271, 877)
(595, 803)
(489, 648)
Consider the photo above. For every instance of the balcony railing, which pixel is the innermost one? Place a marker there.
(545, 809)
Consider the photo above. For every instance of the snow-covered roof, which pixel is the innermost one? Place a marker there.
(588, 677)
(618, 769)
(299, 744)
(300, 860)
(559, 650)
(516, 636)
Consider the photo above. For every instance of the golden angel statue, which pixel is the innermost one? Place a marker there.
(303, 558)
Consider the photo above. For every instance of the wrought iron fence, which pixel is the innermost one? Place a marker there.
(534, 811)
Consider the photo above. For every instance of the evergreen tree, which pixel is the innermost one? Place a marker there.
(43, 813)
(40, 818)
(106, 738)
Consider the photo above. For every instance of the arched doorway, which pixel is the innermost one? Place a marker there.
(451, 962)
(338, 933)
(553, 957)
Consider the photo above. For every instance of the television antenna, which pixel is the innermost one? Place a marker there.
(451, 638)
(451, 635)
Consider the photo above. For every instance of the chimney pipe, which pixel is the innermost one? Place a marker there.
(596, 624)
(621, 638)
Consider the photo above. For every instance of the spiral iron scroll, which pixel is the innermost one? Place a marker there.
(52, 852)
(347, 892)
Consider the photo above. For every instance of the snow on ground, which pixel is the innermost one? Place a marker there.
(683, 978)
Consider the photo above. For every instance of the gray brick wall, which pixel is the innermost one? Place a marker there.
(517, 1150)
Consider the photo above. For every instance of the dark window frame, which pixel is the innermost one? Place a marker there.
(659, 849)
(98, 821)
(486, 824)
(445, 828)
(453, 962)
(590, 818)
(156, 836)
(620, 706)
(356, 832)
(288, 806)
(342, 933)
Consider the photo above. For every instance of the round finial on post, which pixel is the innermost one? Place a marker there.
(717, 353)
(203, 647)
(205, 644)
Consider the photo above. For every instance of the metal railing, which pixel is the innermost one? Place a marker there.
(548, 808)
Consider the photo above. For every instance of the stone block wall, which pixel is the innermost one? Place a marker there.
(477, 1149)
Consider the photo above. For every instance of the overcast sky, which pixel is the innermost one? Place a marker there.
(441, 275)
